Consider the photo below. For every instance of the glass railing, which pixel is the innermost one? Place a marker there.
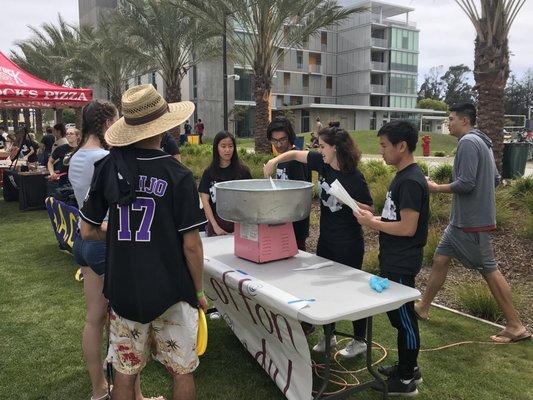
(379, 66)
(379, 42)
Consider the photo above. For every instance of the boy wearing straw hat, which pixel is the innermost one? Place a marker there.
(154, 265)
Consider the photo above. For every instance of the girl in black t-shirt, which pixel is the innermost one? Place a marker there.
(341, 236)
(225, 166)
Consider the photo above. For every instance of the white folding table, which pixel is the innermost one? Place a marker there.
(339, 292)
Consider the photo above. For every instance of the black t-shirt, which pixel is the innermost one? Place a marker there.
(188, 129)
(297, 171)
(146, 270)
(207, 183)
(48, 141)
(337, 222)
(403, 254)
(58, 155)
(169, 144)
(26, 146)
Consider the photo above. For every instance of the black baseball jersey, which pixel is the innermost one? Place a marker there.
(146, 270)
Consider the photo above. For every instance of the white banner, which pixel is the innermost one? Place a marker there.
(264, 319)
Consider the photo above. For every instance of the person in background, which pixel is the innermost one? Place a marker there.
(60, 133)
(225, 166)
(58, 160)
(187, 128)
(341, 237)
(403, 230)
(281, 134)
(47, 141)
(3, 138)
(28, 146)
(473, 217)
(170, 146)
(199, 129)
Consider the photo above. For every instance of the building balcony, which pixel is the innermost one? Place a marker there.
(315, 68)
(379, 89)
(329, 92)
(378, 19)
(379, 42)
(379, 66)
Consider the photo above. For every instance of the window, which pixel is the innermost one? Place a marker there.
(154, 83)
(299, 59)
(243, 87)
(402, 83)
(305, 81)
(296, 100)
(281, 56)
(329, 82)
(324, 40)
(316, 100)
(286, 79)
(138, 79)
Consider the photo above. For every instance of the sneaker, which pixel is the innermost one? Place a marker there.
(392, 370)
(353, 348)
(398, 387)
(320, 347)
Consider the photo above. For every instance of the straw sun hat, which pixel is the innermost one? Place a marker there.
(146, 114)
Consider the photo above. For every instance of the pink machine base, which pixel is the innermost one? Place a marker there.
(263, 243)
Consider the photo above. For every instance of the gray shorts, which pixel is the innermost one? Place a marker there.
(473, 249)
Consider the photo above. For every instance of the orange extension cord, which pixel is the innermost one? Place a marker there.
(336, 375)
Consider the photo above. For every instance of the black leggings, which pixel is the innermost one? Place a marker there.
(348, 253)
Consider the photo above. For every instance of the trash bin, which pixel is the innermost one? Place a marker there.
(193, 139)
(514, 159)
(299, 142)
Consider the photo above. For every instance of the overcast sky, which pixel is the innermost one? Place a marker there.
(446, 35)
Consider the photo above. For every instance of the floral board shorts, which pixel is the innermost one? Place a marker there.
(171, 337)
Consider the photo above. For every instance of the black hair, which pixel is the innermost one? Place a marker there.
(49, 130)
(93, 119)
(400, 130)
(61, 128)
(235, 164)
(465, 110)
(334, 124)
(348, 155)
(281, 124)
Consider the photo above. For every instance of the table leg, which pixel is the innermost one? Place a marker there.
(369, 367)
(328, 333)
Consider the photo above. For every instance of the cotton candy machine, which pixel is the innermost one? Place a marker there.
(263, 211)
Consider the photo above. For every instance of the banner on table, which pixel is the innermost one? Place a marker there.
(64, 220)
(264, 318)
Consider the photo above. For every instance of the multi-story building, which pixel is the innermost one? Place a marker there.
(361, 73)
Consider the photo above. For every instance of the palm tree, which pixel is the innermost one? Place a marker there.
(102, 58)
(161, 32)
(491, 63)
(265, 26)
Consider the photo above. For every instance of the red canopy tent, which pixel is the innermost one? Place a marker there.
(19, 89)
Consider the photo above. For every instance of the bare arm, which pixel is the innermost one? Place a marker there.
(298, 155)
(50, 166)
(194, 255)
(406, 227)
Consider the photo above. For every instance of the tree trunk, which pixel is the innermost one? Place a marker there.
(5, 123)
(15, 113)
(491, 70)
(173, 95)
(78, 112)
(262, 114)
(39, 121)
(27, 119)
(58, 115)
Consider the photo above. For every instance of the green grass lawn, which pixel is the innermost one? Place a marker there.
(42, 313)
(368, 142)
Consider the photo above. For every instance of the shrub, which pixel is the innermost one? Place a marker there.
(373, 170)
(523, 186)
(371, 262)
(424, 167)
(528, 227)
(477, 300)
(431, 245)
(439, 207)
(378, 190)
(505, 214)
(442, 173)
(439, 154)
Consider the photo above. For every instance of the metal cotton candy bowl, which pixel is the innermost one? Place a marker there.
(256, 201)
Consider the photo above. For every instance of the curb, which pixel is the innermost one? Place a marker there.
(467, 315)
